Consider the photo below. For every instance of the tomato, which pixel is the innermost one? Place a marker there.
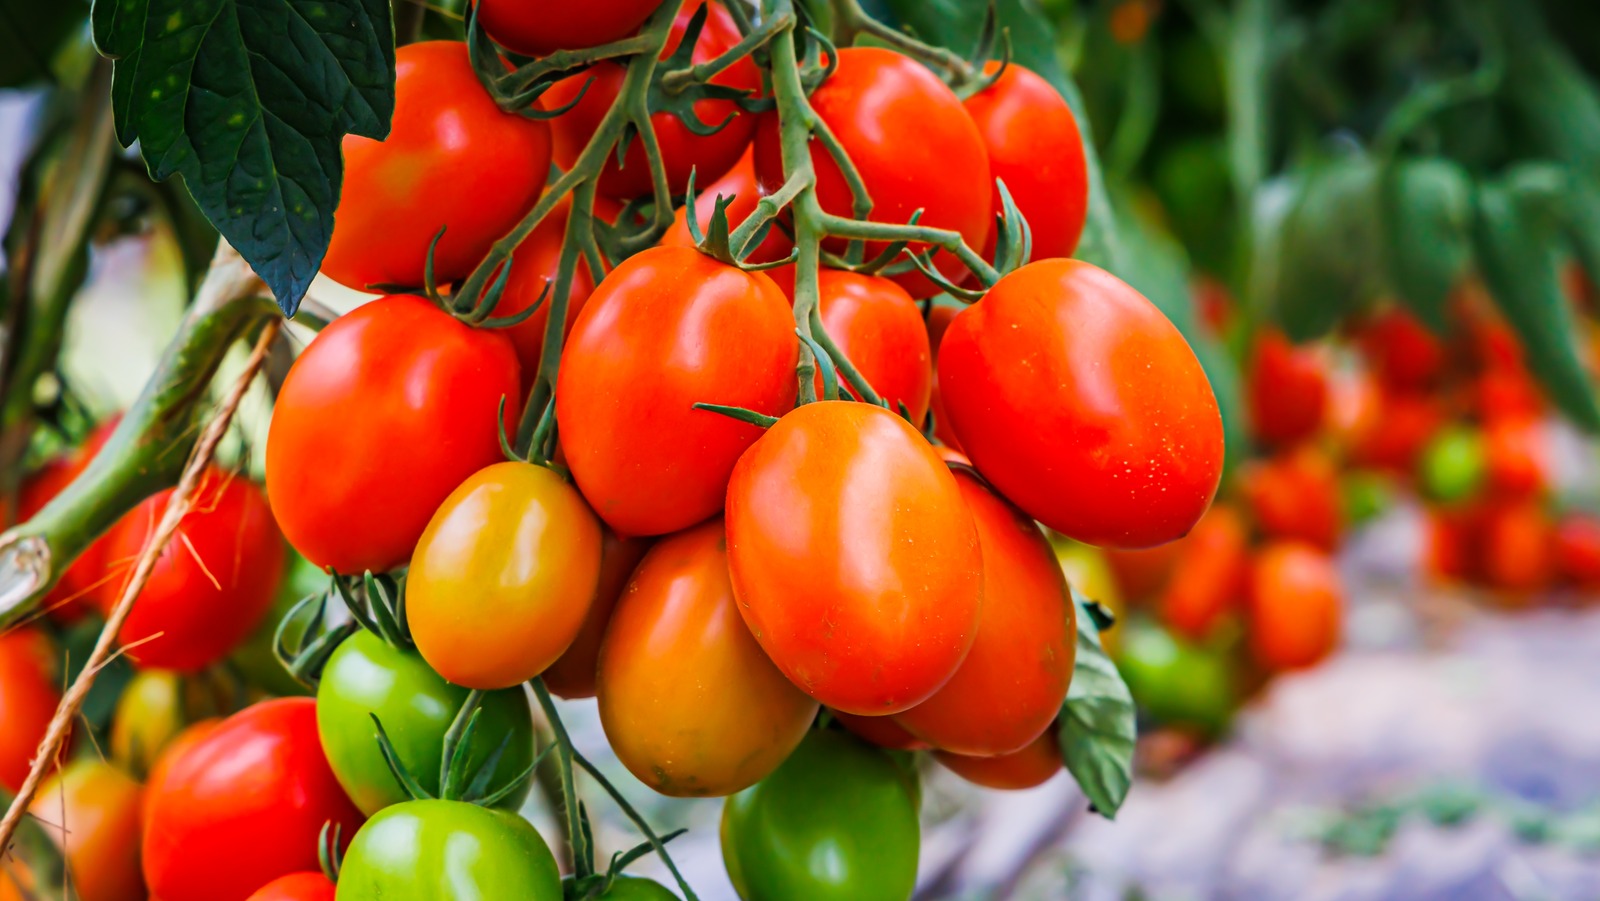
(448, 849)
(1296, 495)
(837, 821)
(386, 411)
(1175, 681)
(871, 103)
(212, 583)
(1366, 495)
(669, 328)
(854, 558)
(83, 582)
(1515, 457)
(1400, 348)
(1010, 686)
(1288, 388)
(1144, 572)
(1295, 605)
(688, 700)
(1034, 147)
(91, 809)
(502, 579)
(30, 689)
(879, 328)
(573, 673)
(154, 707)
(626, 888)
(180, 744)
(1393, 433)
(1032, 764)
(534, 265)
(453, 160)
(942, 430)
(709, 156)
(1453, 465)
(366, 677)
(537, 29)
(740, 187)
(1208, 579)
(1577, 550)
(1083, 405)
(308, 886)
(1517, 550)
(1450, 542)
(211, 835)
(882, 731)
(1508, 393)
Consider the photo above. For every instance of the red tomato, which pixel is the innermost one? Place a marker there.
(1083, 405)
(879, 328)
(91, 810)
(709, 156)
(1450, 543)
(1215, 303)
(1295, 605)
(307, 886)
(1515, 454)
(1517, 550)
(403, 397)
(85, 579)
(1288, 390)
(242, 805)
(739, 184)
(1209, 574)
(573, 673)
(669, 328)
(213, 582)
(1011, 685)
(174, 750)
(942, 430)
(1506, 393)
(1031, 766)
(854, 558)
(1034, 147)
(1142, 573)
(30, 689)
(1296, 495)
(1577, 550)
(1402, 351)
(1394, 431)
(537, 29)
(533, 266)
(452, 160)
(882, 731)
(874, 102)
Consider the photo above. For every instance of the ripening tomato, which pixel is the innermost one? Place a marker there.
(836, 822)
(873, 103)
(91, 810)
(307, 886)
(1288, 390)
(669, 328)
(1090, 575)
(1208, 577)
(1506, 393)
(1032, 764)
(688, 700)
(84, 581)
(1083, 405)
(1405, 355)
(30, 689)
(1453, 466)
(446, 850)
(154, 708)
(854, 558)
(412, 394)
(624, 888)
(1296, 495)
(538, 29)
(1394, 431)
(1517, 553)
(1295, 605)
(708, 156)
(1010, 686)
(534, 266)
(243, 804)
(1034, 147)
(453, 160)
(573, 673)
(212, 583)
(1175, 681)
(740, 187)
(882, 731)
(1515, 457)
(1144, 572)
(503, 577)
(879, 328)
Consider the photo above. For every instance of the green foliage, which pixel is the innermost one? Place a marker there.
(1426, 207)
(30, 34)
(1098, 727)
(1328, 250)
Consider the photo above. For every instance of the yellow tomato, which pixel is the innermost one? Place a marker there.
(1087, 571)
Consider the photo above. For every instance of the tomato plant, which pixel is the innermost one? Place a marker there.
(29, 692)
(1295, 605)
(739, 187)
(92, 810)
(534, 270)
(1030, 765)
(409, 851)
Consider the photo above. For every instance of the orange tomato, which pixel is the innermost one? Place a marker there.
(92, 811)
(1295, 605)
(1517, 550)
(1296, 495)
(1208, 578)
(1516, 456)
(573, 674)
(1033, 765)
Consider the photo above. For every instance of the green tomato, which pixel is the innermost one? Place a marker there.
(1176, 682)
(448, 851)
(1453, 465)
(366, 676)
(623, 888)
(836, 822)
(1366, 496)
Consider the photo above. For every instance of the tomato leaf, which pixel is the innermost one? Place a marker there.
(248, 101)
(1327, 250)
(1426, 208)
(1581, 220)
(1554, 105)
(1097, 726)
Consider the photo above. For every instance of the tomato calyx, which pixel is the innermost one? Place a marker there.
(457, 780)
(376, 603)
(330, 849)
(679, 84)
(518, 87)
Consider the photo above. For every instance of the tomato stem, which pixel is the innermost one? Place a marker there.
(851, 20)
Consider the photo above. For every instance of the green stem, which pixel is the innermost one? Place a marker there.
(951, 241)
(700, 73)
(582, 854)
(850, 20)
(639, 822)
(795, 118)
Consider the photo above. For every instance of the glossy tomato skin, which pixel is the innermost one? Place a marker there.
(836, 822)
(1029, 766)
(537, 29)
(738, 185)
(1295, 495)
(1209, 574)
(879, 328)
(690, 703)
(365, 677)
(503, 577)
(212, 583)
(452, 160)
(628, 888)
(854, 558)
(418, 850)
(882, 731)
(29, 693)
(1295, 607)
(155, 706)
(307, 886)
(709, 156)
(573, 674)
(212, 836)
(669, 328)
(534, 267)
(1288, 388)
(1010, 686)
(411, 393)
(872, 102)
(92, 811)
(1034, 147)
(1110, 434)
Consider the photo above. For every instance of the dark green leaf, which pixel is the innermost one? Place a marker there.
(1581, 221)
(1556, 107)
(1427, 223)
(1516, 239)
(248, 100)
(1327, 251)
(1097, 726)
(30, 33)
